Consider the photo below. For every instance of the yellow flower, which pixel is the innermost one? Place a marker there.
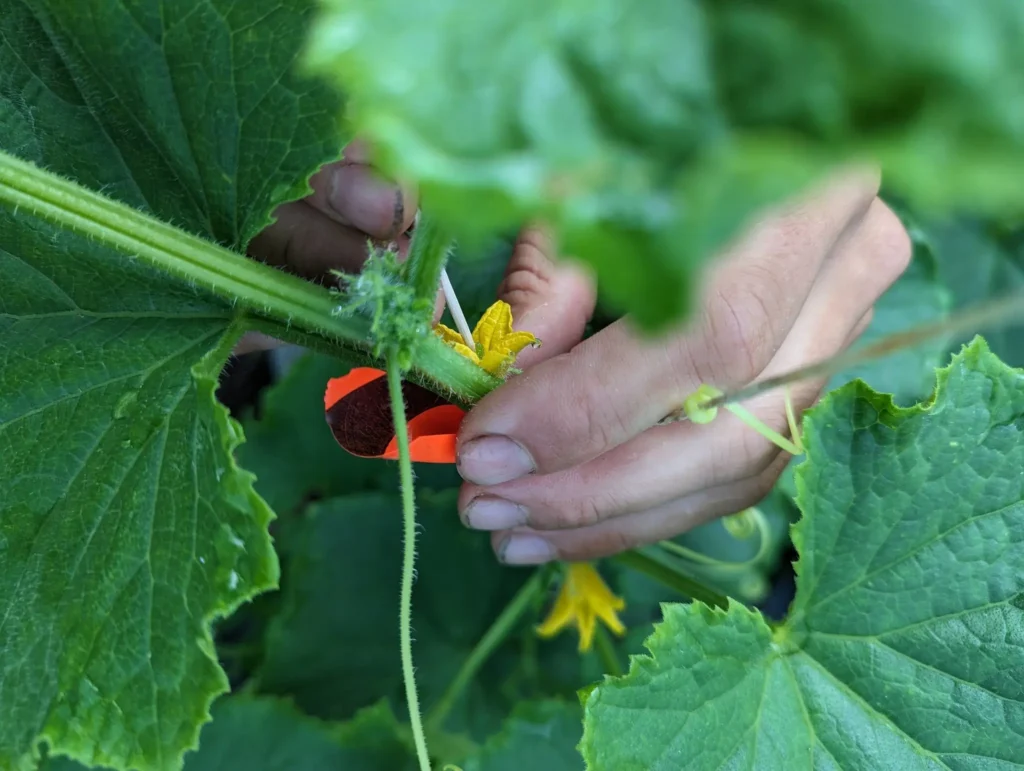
(584, 598)
(497, 345)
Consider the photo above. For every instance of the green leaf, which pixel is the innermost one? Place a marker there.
(263, 734)
(905, 644)
(644, 161)
(195, 116)
(266, 734)
(541, 735)
(334, 647)
(125, 525)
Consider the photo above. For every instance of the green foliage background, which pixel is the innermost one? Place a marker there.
(133, 517)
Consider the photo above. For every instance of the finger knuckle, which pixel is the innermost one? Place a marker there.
(897, 247)
(586, 511)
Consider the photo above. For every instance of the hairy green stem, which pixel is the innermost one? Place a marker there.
(428, 253)
(289, 302)
(662, 568)
(492, 638)
(408, 559)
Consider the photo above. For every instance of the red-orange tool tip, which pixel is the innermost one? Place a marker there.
(358, 412)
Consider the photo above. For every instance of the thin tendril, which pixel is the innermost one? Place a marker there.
(408, 559)
(768, 433)
(794, 428)
(722, 565)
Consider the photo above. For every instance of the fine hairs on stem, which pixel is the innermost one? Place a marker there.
(408, 559)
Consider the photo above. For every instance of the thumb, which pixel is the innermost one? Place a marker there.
(552, 300)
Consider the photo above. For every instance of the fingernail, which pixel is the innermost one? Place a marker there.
(525, 550)
(491, 460)
(489, 512)
(366, 202)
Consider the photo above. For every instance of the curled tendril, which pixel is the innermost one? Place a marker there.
(751, 518)
(693, 406)
(696, 410)
(743, 525)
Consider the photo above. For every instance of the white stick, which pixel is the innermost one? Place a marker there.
(456, 310)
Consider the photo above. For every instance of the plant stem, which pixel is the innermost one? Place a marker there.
(408, 559)
(289, 301)
(663, 569)
(185, 256)
(428, 253)
(606, 652)
(492, 638)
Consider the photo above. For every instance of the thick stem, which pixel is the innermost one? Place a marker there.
(428, 253)
(492, 638)
(294, 304)
(660, 567)
(408, 560)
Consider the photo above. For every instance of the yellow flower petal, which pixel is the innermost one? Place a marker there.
(587, 623)
(610, 618)
(494, 325)
(583, 599)
(495, 362)
(561, 615)
(517, 341)
(454, 340)
(497, 345)
(447, 334)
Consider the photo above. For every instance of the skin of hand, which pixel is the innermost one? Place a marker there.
(565, 460)
(350, 203)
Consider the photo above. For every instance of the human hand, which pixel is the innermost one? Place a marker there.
(350, 204)
(565, 460)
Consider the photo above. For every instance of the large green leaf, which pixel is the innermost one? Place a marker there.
(125, 526)
(647, 132)
(192, 114)
(905, 643)
(334, 647)
(266, 734)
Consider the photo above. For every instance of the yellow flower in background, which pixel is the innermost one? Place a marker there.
(584, 599)
(497, 344)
